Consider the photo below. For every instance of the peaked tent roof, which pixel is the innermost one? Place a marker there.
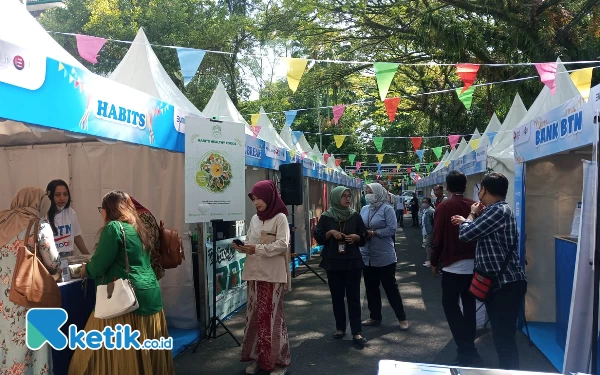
(493, 126)
(469, 147)
(222, 108)
(141, 70)
(268, 132)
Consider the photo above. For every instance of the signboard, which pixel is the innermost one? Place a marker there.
(215, 176)
(78, 101)
(231, 290)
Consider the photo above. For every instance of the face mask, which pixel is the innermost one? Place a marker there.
(370, 198)
(425, 206)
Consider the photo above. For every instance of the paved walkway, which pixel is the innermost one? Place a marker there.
(311, 326)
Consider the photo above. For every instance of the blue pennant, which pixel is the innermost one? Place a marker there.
(296, 135)
(491, 136)
(289, 117)
(419, 154)
(189, 60)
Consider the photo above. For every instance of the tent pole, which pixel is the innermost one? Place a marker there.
(596, 266)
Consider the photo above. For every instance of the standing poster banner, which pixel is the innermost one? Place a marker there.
(215, 175)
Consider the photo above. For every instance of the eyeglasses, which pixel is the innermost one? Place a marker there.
(349, 196)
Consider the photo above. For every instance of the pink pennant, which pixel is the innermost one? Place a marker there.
(326, 157)
(304, 154)
(547, 72)
(377, 177)
(358, 165)
(89, 46)
(338, 111)
(416, 141)
(390, 178)
(409, 170)
(338, 162)
(255, 130)
(453, 139)
(467, 73)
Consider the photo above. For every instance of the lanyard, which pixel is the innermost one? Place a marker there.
(342, 228)
(372, 216)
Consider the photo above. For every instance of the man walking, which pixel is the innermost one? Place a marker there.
(400, 211)
(427, 228)
(495, 230)
(457, 259)
(438, 191)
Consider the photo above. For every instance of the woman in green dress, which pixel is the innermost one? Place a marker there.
(108, 264)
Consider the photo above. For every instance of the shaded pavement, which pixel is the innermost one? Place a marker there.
(311, 326)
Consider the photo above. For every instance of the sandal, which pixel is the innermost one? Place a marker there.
(359, 341)
(404, 325)
(339, 335)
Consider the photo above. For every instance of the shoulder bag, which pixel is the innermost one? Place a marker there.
(117, 297)
(32, 285)
(484, 282)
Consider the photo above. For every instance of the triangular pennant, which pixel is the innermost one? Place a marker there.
(89, 46)
(547, 72)
(315, 158)
(475, 143)
(582, 79)
(292, 154)
(295, 70)
(438, 152)
(466, 97)
(365, 174)
(76, 84)
(417, 167)
(380, 157)
(71, 79)
(378, 143)
(377, 177)
(289, 117)
(254, 119)
(338, 111)
(339, 140)
(395, 170)
(189, 61)
(391, 107)
(358, 165)
(255, 130)
(296, 135)
(338, 162)
(416, 142)
(420, 154)
(384, 74)
(409, 170)
(491, 136)
(326, 157)
(304, 155)
(467, 73)
(60, 66)
(351, 158)
(447, 163)
(390, 178)
(453, 140)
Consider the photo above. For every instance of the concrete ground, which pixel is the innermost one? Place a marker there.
(311, 326)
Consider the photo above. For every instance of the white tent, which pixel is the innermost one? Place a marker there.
(268, 132)
(222, 108)
(141, 69)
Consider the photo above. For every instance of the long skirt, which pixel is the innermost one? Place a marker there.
(265, 336)
(126, 362)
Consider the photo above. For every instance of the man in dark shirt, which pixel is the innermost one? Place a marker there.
(438, 191)
(495, 230)
(457, 260)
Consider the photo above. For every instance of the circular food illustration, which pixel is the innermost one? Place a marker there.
(214, 173)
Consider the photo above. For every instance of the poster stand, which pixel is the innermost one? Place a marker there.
(215, 321)
(293, 251)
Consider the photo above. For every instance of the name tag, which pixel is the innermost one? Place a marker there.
(342, 247)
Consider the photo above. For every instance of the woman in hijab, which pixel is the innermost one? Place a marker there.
(341, 231)
(29, 204)
(149, 221)
(379, 255)
(268, 274)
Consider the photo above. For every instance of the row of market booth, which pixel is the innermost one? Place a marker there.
(546, 152)
(127, 132)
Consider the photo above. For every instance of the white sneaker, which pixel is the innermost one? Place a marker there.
(252, 368)
(427, 264)
(279, 370)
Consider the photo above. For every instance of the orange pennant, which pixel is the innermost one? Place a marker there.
(391, 106)
(467, 73)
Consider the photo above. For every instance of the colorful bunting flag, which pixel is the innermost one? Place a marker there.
(417, 167)
(351, 158)
(547, 72)
(380, 157)
(475, 143)
(409, 170)
(384, 74)
(326, 157)
(467, 73)
(466, 97)
(339, 140)
(60, 66)
(304, 155)
(365, 174)
(378, 143)
(295, 70)
(338, 111)
(338, 162)
(296, 135)
(453, 140)
(189, 61)
(438, 152)
(447, 163)
(254, 119)
(89, 46)
(390, 178)
(491, 136)
(416, 141)
(358, 165)
(420, 154)
(292, 154)
(255, 130)
(290, 116)
(582, 79)
(391, 107)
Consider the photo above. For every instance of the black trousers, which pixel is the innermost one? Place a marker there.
(385, 276)
(463, 325)
(503, 310)
(415, 217)
(400, 218)
(346, 284)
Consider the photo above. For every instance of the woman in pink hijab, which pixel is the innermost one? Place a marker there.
(267, 272)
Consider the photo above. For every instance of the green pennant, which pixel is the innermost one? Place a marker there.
(438, 152)
(378, 142)
(351, 157)
(467, 97)
(384, 74)
(417, 166)
(429, 166)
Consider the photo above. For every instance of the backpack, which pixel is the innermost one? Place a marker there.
(171, 247)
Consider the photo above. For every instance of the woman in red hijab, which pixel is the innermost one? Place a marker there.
(267, 272)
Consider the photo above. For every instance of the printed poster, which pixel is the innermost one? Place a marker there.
(215, 175)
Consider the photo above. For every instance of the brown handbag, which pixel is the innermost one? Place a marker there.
(171, 247)
(32, 285)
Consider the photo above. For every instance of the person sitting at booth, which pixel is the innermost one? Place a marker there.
(493, 225)
(29, 204)
(63, 219)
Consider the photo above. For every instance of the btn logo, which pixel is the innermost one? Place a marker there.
(19, 62)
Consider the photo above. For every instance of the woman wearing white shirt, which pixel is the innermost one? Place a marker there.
(63, 219)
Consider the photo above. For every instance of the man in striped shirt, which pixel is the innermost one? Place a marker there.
(492, 224)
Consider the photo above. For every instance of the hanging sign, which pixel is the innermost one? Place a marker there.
(215, 176)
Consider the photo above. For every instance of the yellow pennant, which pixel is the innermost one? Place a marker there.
(339, 140)
(254, 119)
(365, 173)
(329, 170)
(380, 157)
(295, 70)
(447, 163)
(582, 79)
(475, 144)
(292, 154)
(60, 66)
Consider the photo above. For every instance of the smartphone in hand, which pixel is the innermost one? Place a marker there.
(238, 242)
